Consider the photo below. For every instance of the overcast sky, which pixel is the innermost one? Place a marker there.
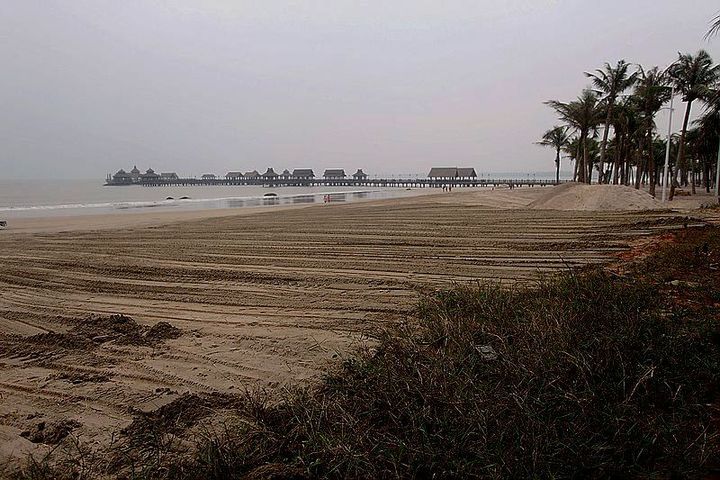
(390, 86)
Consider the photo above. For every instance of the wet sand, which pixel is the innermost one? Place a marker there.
(262, 298)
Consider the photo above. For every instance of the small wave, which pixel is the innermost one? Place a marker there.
(164, 203)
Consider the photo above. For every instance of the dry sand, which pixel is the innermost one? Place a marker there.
(260, 300)
(578, 196)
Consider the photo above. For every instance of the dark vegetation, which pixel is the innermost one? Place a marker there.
(625, 99)
(596, 373)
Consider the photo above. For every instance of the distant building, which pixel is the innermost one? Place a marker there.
(466, 173)
(234, 175)
(169, 176)
(303, 173)
(135, 174)
(443, 173)
(122, 177)
(253, 174)
(334, 173)
(285, 174)
(149, 175)
(208, 176)
(360, 175)
(446, 173)
(270, 173)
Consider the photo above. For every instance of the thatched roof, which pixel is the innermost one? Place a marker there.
(359, 173)
(234, 175)
(254, 173)
(468, 172)
(334, 173)
(443, 172)
(270, 173)
(303, 172)
(286, 173)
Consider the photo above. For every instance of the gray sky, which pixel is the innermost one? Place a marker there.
(89, 86)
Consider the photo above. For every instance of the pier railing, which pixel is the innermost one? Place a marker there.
(344, 182)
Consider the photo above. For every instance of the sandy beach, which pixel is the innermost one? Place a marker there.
(261, 298)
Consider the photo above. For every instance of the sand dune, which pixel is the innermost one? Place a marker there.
(578, 196)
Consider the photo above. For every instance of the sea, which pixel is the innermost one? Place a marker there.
(56, 197)
(45, 198)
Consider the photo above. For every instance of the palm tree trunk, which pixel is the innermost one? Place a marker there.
(681, 151)
(557, 166)
(651, 163)
(616, 162)
(588, 169)
(603, 145)
(639, 170)
(577, 164)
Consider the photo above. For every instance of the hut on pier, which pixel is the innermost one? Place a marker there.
(285, 174)
(303, 174)
(360, 175)
(253, 174)
(334, 173)
(466, 173)
(135, 174)
(443, 173)
(149, 176)
(270, 174)
(234, 175)
(122, 178)
(169, 176)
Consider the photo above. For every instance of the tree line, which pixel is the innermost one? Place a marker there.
(610, 128)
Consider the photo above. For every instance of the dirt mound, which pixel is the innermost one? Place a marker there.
(86, 336)
(112, 327)
(163, 331)
(178, 416)
(124, 330)
(50, 432)
(578, 196)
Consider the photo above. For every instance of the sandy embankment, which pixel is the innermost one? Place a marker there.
(261, 300)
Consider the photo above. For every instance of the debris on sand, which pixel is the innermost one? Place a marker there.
(78, 378)
(579, 196)
(178, 416)
(50, 432)
(87, 335)
(163, 331)
(125, 330)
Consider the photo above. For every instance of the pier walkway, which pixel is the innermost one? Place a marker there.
(343, 182)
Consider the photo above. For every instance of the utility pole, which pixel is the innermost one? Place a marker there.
(717, 175)
(667, 149)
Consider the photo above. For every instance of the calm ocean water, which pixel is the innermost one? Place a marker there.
(43, 198)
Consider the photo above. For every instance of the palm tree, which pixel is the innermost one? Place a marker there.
(693, 76)
(714, 28)
(582, 115)
(650, 94)
(610, 82)
(557, 137)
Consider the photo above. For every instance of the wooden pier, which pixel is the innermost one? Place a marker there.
(342, 182)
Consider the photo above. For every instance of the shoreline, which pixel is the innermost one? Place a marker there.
(152, 218)
(501, 198)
